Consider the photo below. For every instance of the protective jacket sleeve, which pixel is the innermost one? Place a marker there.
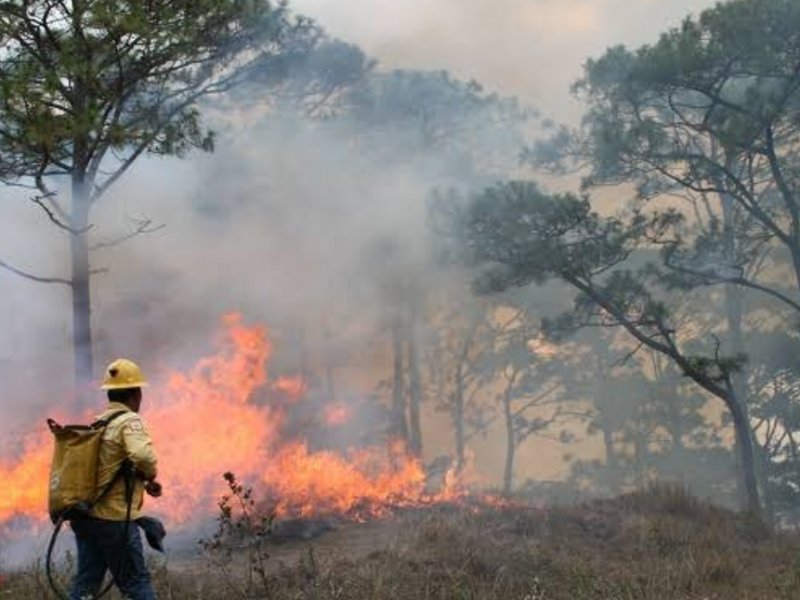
(139, 448)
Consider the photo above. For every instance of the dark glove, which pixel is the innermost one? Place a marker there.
(154, 531)
(153, 488)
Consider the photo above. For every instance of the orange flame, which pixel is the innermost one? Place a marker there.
(294, 387)
(24, 480)
(213, 419)
(337, 414)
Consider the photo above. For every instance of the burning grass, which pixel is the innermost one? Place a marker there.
(226, 400)
(655, 545)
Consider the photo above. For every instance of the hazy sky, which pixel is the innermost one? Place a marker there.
(530, 48)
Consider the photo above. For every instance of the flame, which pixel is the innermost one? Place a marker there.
(294, 387)
(216, 417)
(337, 414)
(24, 481)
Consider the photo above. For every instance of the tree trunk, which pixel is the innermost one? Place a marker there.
(611, 456)
(399, 423)
(744, 441)
(733, 309)
(81, 287)
(674, 416)
(723, 391)
(734, 312)
(614, 475)
(511, 446)
(459, 426)
(794, 250)
(330, 384)
(415, 392)
(640, 458)
(766, 490)
(458, 423)
(79, 236)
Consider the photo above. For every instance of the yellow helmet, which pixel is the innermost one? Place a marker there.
(123, 374)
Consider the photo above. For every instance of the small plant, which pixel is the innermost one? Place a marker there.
(536, 592)
(241, 529)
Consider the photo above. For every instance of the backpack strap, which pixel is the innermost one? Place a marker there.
(103, 423)
(125, 470)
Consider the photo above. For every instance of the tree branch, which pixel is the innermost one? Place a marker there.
(144, 227)
(710, 279)
(36, 278)
(40, 202)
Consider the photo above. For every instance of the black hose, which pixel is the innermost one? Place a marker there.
(129, 473)
(48, 565)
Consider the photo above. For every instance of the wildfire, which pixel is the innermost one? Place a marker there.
(217, 417)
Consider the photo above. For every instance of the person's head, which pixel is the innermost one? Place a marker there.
(124, 382)
(130, 397)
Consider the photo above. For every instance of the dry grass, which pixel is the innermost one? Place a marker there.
(661, 544)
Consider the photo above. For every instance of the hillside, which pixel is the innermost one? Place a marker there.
(656, 545)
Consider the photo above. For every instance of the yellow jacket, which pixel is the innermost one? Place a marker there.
(125, 438)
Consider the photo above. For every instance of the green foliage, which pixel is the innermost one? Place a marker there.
(98, 80)
(709, 113)
(708, 116)
(732, 72)
(316, 80)
(520, 235)
(526, 235)
(433, 118)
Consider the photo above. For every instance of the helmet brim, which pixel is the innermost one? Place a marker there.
(123, 386)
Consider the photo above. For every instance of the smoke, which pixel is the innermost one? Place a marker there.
(284, 221)
(277, 224)
(34, 325)
(288, 213)
(280, 223)
(533, 49)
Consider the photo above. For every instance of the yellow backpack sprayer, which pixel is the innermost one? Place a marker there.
(73, 490)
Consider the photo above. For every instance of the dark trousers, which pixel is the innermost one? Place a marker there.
(104, 546)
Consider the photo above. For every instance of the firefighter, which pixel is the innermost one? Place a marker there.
(108, 537)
